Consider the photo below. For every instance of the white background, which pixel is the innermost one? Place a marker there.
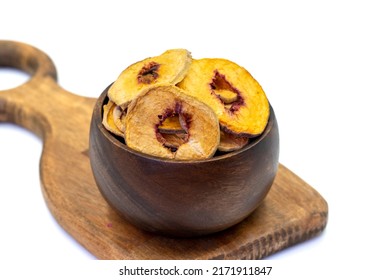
(325, 66)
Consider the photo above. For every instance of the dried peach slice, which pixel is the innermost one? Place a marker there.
(153, 106)
(169, 67)
(236, 97)
(119, 116)
(230, 142)
(109, 119)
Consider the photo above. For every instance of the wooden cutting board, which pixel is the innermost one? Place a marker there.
(291, 213)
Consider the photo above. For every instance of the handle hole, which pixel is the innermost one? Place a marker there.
(12, 78)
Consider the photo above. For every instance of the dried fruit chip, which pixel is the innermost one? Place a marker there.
(230, 142)
(236, 97)
(169, 67)
(108, 119)
(119, 116)
(153, 106)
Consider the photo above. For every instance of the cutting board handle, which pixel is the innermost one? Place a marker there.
(40, 104)
(25, 104)
(26, 58)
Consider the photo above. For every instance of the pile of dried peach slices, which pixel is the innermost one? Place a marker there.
(176, 107)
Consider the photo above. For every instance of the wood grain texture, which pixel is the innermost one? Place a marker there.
(292, 212)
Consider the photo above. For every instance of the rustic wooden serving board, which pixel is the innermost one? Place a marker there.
(291, 213)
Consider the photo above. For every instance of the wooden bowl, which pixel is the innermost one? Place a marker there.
(182, 198)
